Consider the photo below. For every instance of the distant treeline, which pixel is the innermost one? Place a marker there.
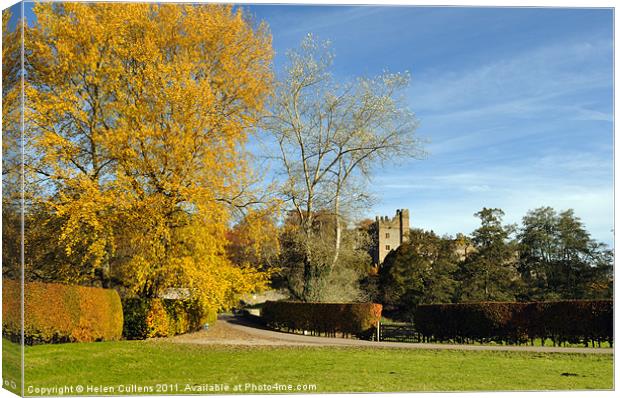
(550, 256)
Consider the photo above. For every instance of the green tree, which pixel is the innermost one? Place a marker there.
(558, 258)
(341, 283)
(489, 272)
(537, 248)
(419, 271)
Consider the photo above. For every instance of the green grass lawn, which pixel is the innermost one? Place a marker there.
(152, 363)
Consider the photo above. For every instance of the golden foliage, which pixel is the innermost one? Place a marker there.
(157, 320)
(254, 241)
(61, 313)
(11, 66)
(11, 146)
(140, 113)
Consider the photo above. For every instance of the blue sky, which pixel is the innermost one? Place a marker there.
(516, 105)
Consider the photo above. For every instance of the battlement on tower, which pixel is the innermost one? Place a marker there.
(393, 222)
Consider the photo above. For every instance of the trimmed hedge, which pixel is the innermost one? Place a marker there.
(322, 318)
(57, 313)
(571, 321)
(156, 317)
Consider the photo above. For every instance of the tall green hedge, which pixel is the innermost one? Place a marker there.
(571, 321)
(155, 317)
(57, 313)
(327, 318)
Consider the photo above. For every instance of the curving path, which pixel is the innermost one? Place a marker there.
(231, 330)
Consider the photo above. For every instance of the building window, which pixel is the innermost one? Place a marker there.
(387, 235)
(387, 247)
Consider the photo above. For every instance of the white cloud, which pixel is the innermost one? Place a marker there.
(540, 88)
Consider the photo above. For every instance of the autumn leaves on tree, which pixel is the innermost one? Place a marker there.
(136, 173)
(136, 118)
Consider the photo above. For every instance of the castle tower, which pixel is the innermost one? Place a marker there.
(389, 234)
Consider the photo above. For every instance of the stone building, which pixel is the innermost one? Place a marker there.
(389, 233)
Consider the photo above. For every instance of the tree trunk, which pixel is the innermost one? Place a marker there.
(308, 291)
(338, 228)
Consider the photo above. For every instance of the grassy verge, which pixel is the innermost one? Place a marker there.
(137, 367)
(11, 366)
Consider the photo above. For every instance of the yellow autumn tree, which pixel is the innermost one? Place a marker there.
(11, 149)
(139, 114)
(253, 241)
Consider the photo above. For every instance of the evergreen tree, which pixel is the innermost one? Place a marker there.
(559, 260)
(489, 272)
(419, 272)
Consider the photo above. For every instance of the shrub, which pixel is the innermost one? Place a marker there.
(329, 318)
(473, 321)
(56, 313)
(155, 317)
(570, 321)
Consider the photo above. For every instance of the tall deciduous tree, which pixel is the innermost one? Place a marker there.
(337, 284)
(139, 113)
(329, 136)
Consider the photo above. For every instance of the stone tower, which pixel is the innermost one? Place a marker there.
(388, 234)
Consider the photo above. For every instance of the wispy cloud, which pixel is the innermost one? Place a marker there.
(518, 83)
(333, 16)
(516, 104)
